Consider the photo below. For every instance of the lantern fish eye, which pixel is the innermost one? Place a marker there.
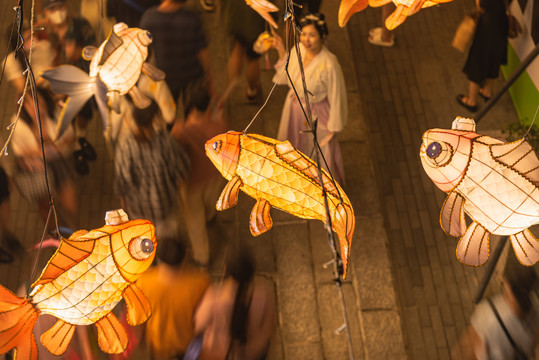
(145, 37)
(141, 248)
(434, 149)
(216, 146)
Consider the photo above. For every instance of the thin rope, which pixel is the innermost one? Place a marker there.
(534, 117)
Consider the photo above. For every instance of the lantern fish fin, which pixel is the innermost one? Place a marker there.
(88, 52)
(153, 73)
(260, 220)
(297, 160)
(229, 195)
(378, 3)
(114, 101)
(526, 247)
(349, 8)
(111, 335)
(344, 222)
(113, 43)
(263, 8)
(452, 215)
(473, 247)
(71, 251)
(397, 17)
(58, 337)
(17, 319)
(140, 100)
(520, 156)
(77, 85)
(138, 307)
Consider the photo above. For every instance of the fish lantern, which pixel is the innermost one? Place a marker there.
(115, 68)
(404, 9)
(83, 281)
(276, 174)
(263, 8)
(493, 181)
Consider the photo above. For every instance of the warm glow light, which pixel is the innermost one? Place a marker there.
(83, 281)
(115, 69)
(492, 181)
(404, 9)
(276, 174)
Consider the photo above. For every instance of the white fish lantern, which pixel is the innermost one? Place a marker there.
(492, 181)
(115, 69)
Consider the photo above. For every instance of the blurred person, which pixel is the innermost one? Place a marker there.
(69, 34)
(129, 11)
(179, 45)
(29, 176)
(325, 81)
(381, 36)
(236, 317)
(199, 193)
(507, 325)
(487, 52)
(8, 239)
(148, 167)
(15, 65)
(174, 289)
(243, 25)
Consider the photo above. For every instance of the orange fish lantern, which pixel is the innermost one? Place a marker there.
(263, 8)
(492, 181)
(276, 174)
(83, 281)
(404, 9)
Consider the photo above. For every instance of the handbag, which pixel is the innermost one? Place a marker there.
(465, 33)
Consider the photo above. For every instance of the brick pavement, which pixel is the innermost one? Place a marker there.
(398, 94)
(406, 90)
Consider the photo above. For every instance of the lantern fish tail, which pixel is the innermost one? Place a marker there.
(344, 223)
(77, 85)
(17, 319)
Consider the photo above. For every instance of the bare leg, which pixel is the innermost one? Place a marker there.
(253, 73)
(386, 11)
(486, 90)
(235, 63)
(68, 200)
(5, 216)
(473, 90)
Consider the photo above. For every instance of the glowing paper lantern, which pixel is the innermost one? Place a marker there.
(114, 71)
(263, 8)
(492, 181)
(276, 174)
(404, 9)
(83, 281)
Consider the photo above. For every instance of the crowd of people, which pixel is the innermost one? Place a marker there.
(161, 172)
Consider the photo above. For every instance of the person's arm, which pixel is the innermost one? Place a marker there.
(204, 58)
(465, 348)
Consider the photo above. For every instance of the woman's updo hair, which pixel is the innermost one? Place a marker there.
(319, 22)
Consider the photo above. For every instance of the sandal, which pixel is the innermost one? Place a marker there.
(486, 98)
(87, 149)
(460, 100)
(376, 39)
(5, 257)
(81, 166)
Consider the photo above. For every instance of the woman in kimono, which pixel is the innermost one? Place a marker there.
(325, 83)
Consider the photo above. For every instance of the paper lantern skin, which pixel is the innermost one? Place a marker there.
(263, 8)
(276, 174)
(115, 68)
(404, 9)
(492, 181)
(82, 283)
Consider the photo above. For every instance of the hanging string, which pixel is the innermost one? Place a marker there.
(530, 127)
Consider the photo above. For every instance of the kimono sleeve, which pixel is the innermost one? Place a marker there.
(338, 104)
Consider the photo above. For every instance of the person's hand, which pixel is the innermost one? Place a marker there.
(278, 45)
(327, 139)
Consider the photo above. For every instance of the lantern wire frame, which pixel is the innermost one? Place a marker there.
(292, 32)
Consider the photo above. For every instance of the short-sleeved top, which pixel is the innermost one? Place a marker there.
(129, 11)
(178, 38)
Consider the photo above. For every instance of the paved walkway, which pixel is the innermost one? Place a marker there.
(407, 295)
